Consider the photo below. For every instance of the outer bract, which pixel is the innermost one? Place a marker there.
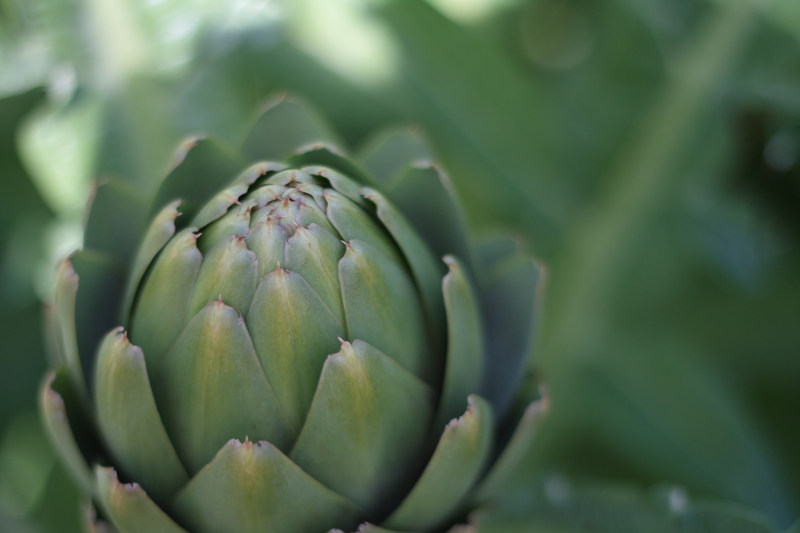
(278, 342)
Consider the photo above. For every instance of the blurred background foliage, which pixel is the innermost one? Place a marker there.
(646, 152)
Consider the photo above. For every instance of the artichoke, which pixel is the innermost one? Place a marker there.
(269, 343)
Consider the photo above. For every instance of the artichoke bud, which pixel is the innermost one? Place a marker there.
(292, 280)
(287, 354)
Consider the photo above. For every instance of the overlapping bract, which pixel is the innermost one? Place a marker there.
(276, 347)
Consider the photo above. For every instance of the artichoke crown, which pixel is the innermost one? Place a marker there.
(275, 347)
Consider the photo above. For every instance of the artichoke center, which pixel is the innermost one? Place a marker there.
(253, 303)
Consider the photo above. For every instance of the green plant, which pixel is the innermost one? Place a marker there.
(274, 346)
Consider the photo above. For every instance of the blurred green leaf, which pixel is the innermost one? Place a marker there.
(638, 388)
(22, 212)
(139, 133)
(485, 121)
(60, 161)
(558, 506)
(595, 80)
(27, 464)
(646, 177)
(24, 220)
(238, 71)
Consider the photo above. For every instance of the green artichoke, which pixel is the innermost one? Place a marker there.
(276, 347)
